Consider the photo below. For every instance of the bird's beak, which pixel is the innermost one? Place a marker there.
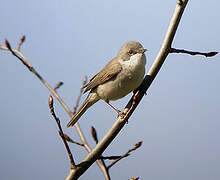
(143, 50)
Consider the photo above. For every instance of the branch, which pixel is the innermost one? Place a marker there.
(17, 54)
(21, 42)
(72, 141)
(26, 62)
(79, 95)
(73, 166)
(136, 146)
(208, 54)
(110, 157)
(100, 162)
(134, 101)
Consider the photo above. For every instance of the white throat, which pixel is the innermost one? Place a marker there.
(135, 61)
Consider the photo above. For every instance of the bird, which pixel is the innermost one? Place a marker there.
(122, 75)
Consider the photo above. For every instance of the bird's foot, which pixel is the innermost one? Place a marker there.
(121, 114)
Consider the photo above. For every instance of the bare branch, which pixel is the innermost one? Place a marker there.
(208, 54)
(21, 42)
(100, 162)
(73, 166)
(27, 63)
(71, 140)
(110, 157)
(17, 54)
(79, 95)
(136, 146)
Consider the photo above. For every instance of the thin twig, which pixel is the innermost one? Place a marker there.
(100, 162)
(73, 166)
(136, 146)
(110, 157)
(21, 42)
(72, 141)
(208, 54)
(27, 63)
(17, 54)
(102, 159)
(79, 95)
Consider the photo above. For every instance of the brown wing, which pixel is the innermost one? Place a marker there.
(113, 68)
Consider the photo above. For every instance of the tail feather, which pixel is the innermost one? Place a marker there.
(86, 104)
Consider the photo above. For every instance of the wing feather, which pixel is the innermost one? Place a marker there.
(114, 67)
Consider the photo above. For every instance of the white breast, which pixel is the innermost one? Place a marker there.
(127, 80)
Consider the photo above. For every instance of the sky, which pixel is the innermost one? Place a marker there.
(178, 120)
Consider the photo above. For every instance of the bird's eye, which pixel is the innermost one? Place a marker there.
(130, 52)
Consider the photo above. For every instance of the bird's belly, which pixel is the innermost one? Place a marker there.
(124, 83)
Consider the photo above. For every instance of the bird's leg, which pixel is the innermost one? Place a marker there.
(118, 111)
(121, 114)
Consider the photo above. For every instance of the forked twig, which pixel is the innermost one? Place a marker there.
(18, 54)
(100, 162)
(26, 62)
(73, 166)
(72, 141)
(136, 146)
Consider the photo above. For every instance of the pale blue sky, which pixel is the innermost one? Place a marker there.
(178, 121)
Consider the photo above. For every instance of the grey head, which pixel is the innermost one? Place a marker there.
(129, 49)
